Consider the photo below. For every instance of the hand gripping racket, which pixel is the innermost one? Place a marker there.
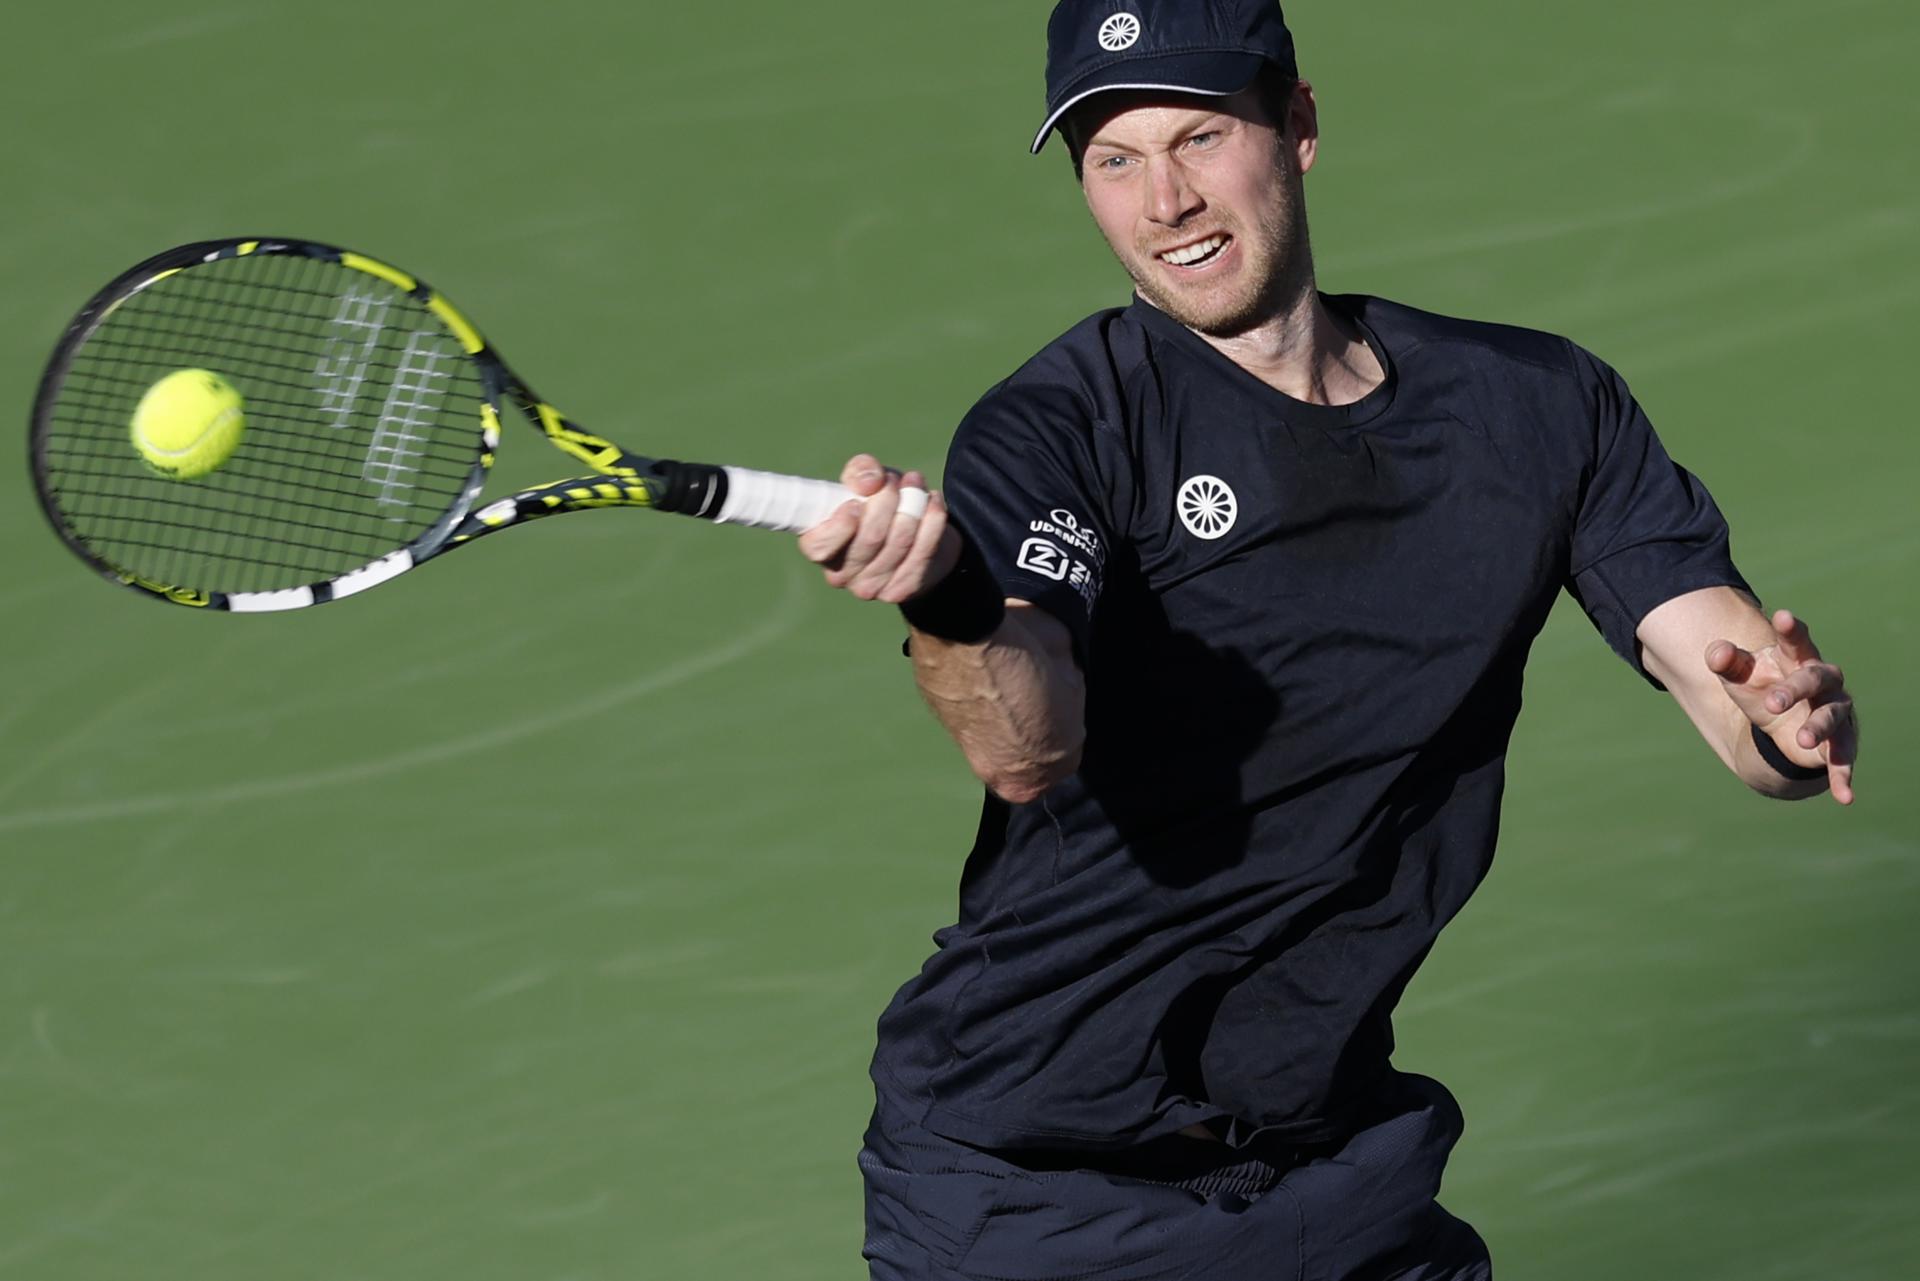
(371, 417)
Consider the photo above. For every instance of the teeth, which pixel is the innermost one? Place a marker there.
(1191, 254)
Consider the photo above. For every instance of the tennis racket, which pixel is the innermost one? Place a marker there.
(372, 416)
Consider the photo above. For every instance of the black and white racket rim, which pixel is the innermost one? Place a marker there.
(371, 416)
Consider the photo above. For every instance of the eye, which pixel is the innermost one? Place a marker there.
(1112, 164)
(1207, 139)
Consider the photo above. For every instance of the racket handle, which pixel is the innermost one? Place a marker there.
(792, 504)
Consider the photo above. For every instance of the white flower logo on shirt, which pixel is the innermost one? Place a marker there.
(1207, 507)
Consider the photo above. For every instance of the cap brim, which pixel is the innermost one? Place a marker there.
(1211, 75)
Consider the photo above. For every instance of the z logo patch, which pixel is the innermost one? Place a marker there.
(1044, 559)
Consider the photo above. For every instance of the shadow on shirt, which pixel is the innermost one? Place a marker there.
(1171, 725)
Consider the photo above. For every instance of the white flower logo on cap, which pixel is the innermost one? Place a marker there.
(1121, 31)
(1207, 507)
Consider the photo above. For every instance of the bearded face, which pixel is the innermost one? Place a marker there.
(1202, 202)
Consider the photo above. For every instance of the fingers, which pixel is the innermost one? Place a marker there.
(934, 550)
(1796, 643)
(879, 548)
(1771, 682)
(885, 538)
(864, 475)
(1831, 724)
(829, 542)
(1729, 662)
(900, 535)
(1831, 727)
(1835, 727)
(1813, 684)
(1840, 781)
(870, 540)
(826, 542)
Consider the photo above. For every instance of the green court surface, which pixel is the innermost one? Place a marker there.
(528, 920)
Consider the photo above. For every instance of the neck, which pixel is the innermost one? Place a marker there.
(1306, 352)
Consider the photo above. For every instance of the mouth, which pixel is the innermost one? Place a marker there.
(1198, 253)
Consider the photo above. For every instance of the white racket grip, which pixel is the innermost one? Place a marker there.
(793, 504)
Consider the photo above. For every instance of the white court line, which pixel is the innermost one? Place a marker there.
(1768, 328)
(61, 748)
(782, 619)
(181, 30)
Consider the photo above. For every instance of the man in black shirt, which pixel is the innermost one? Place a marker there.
(1234, 637)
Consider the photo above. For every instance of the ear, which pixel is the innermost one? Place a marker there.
(1303, 125)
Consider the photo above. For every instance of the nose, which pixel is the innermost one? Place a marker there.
(1171, 198)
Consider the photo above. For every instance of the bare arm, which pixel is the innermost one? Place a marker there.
(1014, 701)
(1734, 671)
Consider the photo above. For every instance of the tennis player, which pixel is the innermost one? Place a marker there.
(1229, 615)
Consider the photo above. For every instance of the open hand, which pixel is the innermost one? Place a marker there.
(1794, 697)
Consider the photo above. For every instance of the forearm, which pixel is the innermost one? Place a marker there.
(1000, 673)
(1015, 703)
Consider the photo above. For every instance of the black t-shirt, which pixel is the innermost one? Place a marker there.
(1302, 629)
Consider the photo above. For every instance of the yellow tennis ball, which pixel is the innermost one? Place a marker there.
(188, 423)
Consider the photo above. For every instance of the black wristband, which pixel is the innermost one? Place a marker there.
(1778, 762)
(965, 606)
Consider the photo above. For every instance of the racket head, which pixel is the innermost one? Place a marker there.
(371, 420)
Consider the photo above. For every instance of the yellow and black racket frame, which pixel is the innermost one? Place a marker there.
(620, 479)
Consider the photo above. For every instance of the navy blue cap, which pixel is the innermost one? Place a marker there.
(1212, 47)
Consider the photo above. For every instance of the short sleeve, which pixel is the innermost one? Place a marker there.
(1647, 530)
(1023, 483)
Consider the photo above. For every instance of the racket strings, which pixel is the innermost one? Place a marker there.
(361, 426)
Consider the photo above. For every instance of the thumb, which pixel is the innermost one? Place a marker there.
(1729, 662)
(864, 475)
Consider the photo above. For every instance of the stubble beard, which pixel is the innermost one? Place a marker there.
(1278, 274)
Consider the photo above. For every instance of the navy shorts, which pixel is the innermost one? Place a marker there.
(1360, 1210)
